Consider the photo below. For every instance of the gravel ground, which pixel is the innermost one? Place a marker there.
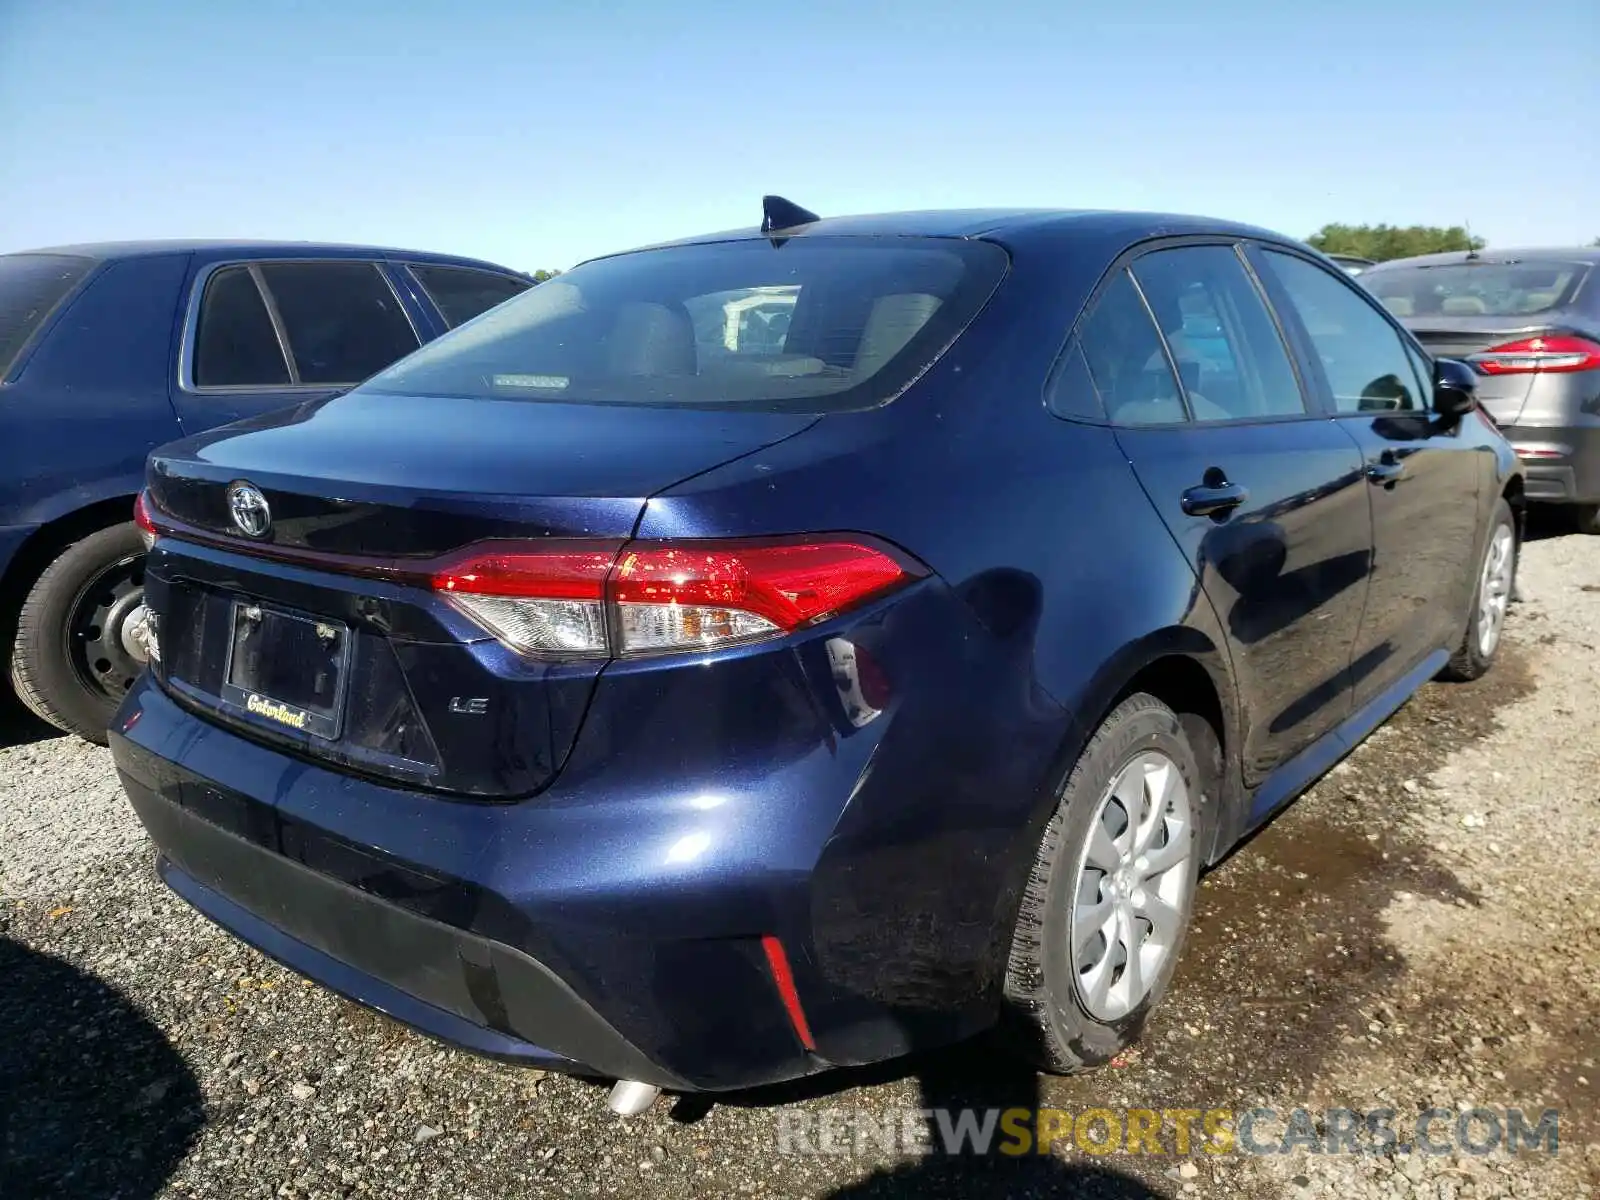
(1422, 929)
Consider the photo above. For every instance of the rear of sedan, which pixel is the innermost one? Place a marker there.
(429, 722)
(1529, 324)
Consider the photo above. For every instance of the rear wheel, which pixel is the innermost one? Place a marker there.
(1107, 904)
(77, 651)
(1497, 576)
(1588, 518)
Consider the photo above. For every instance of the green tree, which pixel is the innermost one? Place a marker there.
(542, 274)
(1381, 242)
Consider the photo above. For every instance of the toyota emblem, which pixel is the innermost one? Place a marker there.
(248, 508)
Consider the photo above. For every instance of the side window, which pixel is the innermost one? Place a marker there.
(235, 344)
(342, 320)
(1071, 392)
(1424, 368)
(461, 293)
(1230, 356)
(1366, 362)
(1126, 359)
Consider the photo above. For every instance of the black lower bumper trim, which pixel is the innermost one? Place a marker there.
(459, 986)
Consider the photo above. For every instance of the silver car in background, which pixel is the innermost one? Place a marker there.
(1352, 264)
(1529, 323)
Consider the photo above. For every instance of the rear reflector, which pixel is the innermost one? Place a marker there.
(604, 598)
(141, 518)
(783, 978)
(1553, 353)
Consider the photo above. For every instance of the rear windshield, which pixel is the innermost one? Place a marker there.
(811, 324)
(30, 286)
(1477, 289)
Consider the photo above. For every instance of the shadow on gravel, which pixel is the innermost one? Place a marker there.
(94, 1101)
(976, 1075)
(979, 1076)
(1548, 521)
(18, 726)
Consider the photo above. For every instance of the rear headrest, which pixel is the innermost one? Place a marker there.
(893, 321)
(651, 339)
(1463, 306)
(1400, 306)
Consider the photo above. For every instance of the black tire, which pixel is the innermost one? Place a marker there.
(1045, 1018)
(1471, 661)
(1588, 518)
(50, 669)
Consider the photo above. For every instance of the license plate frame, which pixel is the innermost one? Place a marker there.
(254, 699)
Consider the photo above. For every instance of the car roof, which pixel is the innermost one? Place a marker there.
(1572, 254)
(209, 248)
(1001, 224)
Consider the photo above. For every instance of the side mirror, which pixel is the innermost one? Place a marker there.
(1455, 388)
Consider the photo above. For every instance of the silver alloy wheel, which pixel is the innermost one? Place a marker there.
(1133, 886)
(1494, 589)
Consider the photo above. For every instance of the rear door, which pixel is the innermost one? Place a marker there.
(1422, 473)
(274, 333)
(1260, 491)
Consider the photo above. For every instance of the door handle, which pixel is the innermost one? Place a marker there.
(1215, 498)
(1388, 470)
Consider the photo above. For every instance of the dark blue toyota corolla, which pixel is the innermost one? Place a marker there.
(792, 647)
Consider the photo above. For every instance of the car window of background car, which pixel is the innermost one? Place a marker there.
(30, 286)
(813, 325)
(235, 344)
(1230, 357)
(1127, 361)
(1477, 289)
(342, 319)
(461, 293)
(1366, 362)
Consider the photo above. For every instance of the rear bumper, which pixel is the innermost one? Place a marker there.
(467, 990)
(615, 923)
(453, 918)
(1562, 463)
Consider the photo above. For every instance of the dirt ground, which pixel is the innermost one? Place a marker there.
(1420, 931)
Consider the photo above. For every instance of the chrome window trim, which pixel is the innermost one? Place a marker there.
(191, 325)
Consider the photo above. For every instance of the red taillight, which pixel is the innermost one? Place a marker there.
(141, 517)
(572, 573)
(536, 601)
(655, 597)
(1554, 353)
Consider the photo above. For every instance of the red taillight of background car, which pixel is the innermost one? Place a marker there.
(651, 597)
(1546, 354)
(141, 517)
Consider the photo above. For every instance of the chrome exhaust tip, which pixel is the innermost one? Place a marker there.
(629, 1097)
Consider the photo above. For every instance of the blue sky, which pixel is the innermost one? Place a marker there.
(539, 133)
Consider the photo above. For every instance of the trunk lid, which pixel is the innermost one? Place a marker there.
(319, 637)
(373, 473)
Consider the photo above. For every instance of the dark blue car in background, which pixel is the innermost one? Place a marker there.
(796, 646)
(107, 351)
